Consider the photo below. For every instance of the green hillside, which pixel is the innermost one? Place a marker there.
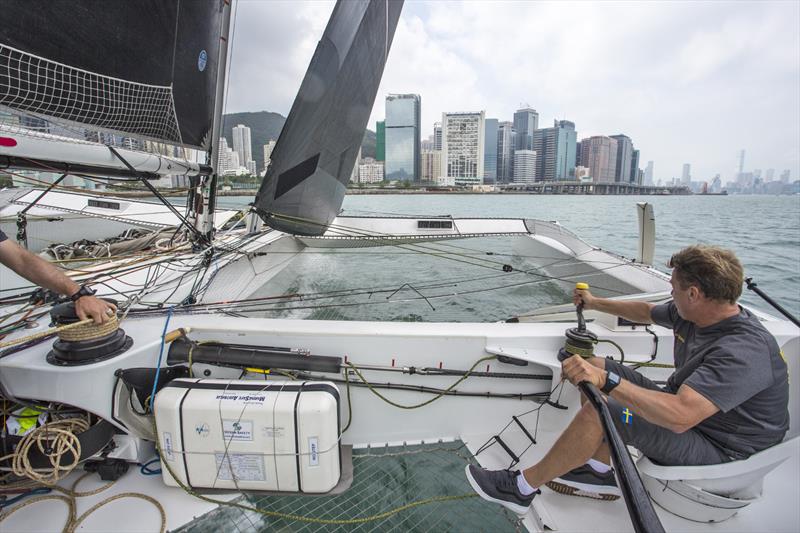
(265, 125)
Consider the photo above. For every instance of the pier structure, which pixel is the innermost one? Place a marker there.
(576, 187)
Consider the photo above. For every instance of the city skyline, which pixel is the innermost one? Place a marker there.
(692, 89)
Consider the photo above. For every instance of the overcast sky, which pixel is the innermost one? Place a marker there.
(689, 82)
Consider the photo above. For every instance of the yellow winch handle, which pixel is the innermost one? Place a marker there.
(582, 286)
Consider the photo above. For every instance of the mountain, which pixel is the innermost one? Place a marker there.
(265, 125)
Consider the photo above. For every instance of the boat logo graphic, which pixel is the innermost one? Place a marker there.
(202, 430)
(202, 60)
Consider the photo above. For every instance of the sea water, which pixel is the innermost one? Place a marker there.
(463, 280)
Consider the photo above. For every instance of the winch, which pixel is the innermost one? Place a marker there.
(90, 343)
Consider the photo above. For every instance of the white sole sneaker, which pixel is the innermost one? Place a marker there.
(596, 492)
(518, 509)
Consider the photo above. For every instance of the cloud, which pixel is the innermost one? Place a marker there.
(687, 81)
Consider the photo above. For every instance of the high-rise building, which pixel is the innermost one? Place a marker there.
(242, 144)
(431, 165)
(380, 141)
(426, 145)
(490, 151)
(599, 153)
(770, 175)
(268, 152)
(785, 175)
(437, 135)
(354, 174)
(462, 147)
(740, 162)
(648, 174)
(635, 172)
(403, 161)
(555, 151)
(624, 156)
(228, 160)
(506, 140)
(686, 174)
(524, 166)
(370, 171)
(526, 121)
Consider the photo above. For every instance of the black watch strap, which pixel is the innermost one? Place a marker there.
(83, 291)
(612, 380)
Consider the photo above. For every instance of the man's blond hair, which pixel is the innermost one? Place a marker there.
(716, 271)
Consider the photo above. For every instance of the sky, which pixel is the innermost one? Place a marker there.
(688, 82)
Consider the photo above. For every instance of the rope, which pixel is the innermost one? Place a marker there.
(45, 333)
(90, 331)
(423, 404)
(54, 440)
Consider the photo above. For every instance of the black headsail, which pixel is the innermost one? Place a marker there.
(144, 69)
(315, 153)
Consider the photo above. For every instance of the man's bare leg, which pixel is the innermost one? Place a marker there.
(577, 444)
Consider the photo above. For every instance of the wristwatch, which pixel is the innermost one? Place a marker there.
(83, 291)
(612, 380)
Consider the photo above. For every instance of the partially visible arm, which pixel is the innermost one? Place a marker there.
(638, 312)
(35, 269)
(42, 273)
(676, 412)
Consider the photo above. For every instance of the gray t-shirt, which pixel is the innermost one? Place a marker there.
(738, 366)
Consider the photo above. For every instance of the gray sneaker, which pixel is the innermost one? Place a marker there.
(499, 486)
(587, 482)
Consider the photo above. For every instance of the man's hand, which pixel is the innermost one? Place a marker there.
(99, 310)
(577, 369)
(583, 296)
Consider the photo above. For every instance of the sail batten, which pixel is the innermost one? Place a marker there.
(315, 153)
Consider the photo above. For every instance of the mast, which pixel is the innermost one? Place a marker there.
(206, 189)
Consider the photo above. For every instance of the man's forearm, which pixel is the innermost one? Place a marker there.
(42, 273)
(634, 311)
(661, 408)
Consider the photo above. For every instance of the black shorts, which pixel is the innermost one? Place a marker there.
(664, 446)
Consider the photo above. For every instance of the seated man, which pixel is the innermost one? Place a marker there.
(45, 274)
(727, 399)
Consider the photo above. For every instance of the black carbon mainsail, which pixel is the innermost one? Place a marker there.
(144, 69)
(315, 153)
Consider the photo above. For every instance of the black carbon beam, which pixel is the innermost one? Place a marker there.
(640, 508)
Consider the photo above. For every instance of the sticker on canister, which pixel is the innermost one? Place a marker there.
(313, 451)
(237, 430)
(168, 446)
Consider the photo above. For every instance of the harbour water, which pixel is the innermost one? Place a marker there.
(764, 231)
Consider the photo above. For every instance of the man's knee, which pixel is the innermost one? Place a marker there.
(588, 414)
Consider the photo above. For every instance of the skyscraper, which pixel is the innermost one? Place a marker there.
(555, 151)
(490, 151)
(268, 152)
(431, 164)
(686, 175)
(437, 135)
(624, 156)
(462, 147)
(526, 121)
(403, 161)
(599, 153)
(505, 152)
(242, 144)
(648, 174)
(635, 168)
(380, 140)
(524, 166)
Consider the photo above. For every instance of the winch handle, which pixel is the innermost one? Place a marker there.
(579, 308)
